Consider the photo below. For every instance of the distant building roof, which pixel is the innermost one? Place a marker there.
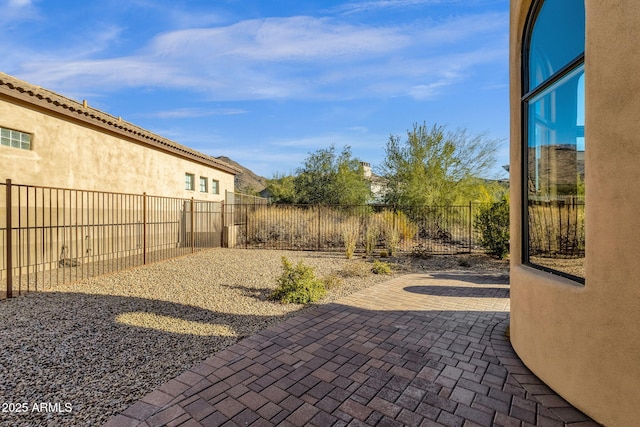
(53, 102)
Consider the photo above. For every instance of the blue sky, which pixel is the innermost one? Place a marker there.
(266, 82)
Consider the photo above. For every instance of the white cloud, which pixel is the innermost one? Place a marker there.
(298, 57)
(16, 11)
(19, 3)
(298, 38)
(182, 113)
(367, 6)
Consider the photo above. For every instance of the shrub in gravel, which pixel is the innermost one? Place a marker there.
(492, 223)
(380, 267)
(350, 233)
(332, 281)
(298, 284)
(355, 269)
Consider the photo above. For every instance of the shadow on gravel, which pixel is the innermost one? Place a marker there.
(75, 348)
(261, 294)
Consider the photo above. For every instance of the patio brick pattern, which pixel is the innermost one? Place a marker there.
(417, 350)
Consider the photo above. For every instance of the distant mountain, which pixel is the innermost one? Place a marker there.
(246, 182)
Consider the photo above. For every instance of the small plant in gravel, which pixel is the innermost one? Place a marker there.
(350, 233)
(298, 284)
(332, 281)
(356, 269)
(392, 239)
(380, 267)
(370, 240)
(464, 262)
(421, 251)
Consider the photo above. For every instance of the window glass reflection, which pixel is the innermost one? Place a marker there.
(555, 176)
(557, 38)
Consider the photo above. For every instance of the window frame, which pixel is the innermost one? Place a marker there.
(11, 139)
(188, 187)
(204, 180)
(215, 186)
(529, 94)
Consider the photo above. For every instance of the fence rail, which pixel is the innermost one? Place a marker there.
(442, 230)
(50, 236)
(54, 235)
(556, 227)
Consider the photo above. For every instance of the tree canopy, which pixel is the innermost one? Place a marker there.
(281, 189)
(326, 177)
(434, 166)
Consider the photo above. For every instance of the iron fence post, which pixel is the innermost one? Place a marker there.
(193, 241)
(9, 243)
(246, 227)
(224, 233)
(470, 227)
(144, 228)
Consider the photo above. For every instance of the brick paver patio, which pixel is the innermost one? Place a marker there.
(418, 350)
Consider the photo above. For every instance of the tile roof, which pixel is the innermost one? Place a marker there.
(49, 100)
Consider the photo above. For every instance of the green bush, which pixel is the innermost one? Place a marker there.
(298, 284)
(380, 267)
(492, 223)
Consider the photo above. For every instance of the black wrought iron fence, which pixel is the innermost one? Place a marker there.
(382, 228)
(556, 227)
(54, 235)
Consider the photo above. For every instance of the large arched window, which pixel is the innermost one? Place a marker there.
(553, 135)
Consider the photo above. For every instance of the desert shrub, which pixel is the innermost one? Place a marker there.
(464, 262)
(380, 267)
(298, 226)
(399, 222)
(357, 269)
(298, 284)
(371, 235)
(395, 227)
(406, 228)
(492, 224)
(422, 251)
(390, 231)
(350, 234)
(273, 224)
(332, 281)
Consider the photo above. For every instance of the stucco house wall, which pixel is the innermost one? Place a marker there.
(76, 146)
(584, 340)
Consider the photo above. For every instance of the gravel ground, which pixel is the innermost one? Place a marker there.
(90, 349)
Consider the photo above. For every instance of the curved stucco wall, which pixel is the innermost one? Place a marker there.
(584, 341)
(69, 154)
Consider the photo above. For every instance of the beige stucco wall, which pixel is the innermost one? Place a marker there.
(584, 341)
(70, 154)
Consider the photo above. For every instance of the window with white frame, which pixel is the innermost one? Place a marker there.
(189, 182)
(203, 184)
(215, 186)
(15, 139)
